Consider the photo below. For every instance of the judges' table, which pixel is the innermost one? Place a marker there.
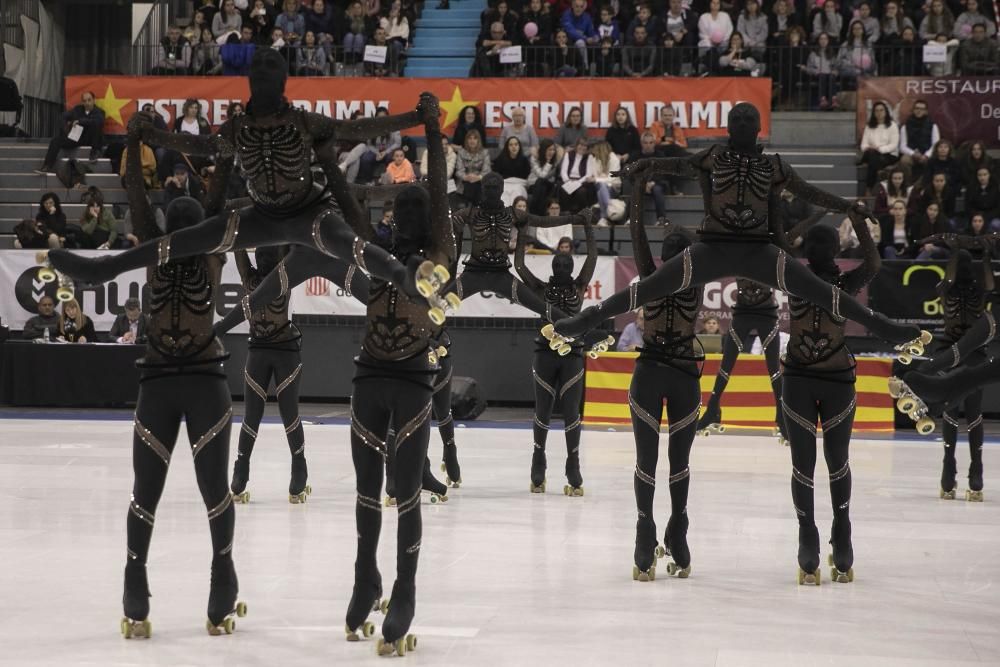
(69, 375)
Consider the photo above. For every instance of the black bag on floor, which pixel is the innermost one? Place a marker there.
(467, 401)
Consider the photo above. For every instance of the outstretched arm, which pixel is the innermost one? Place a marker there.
(587, 272)
(522, 218)
(801, 228)
(640, 242)
(363, 129)
(140, 208)
(651, 167)
(857, 278)
(527, 277)
(816, 196)
(190, 144)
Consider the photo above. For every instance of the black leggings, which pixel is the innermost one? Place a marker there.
(951, 387)
(746, 327)
(503, 284)
(285, 366)
(875, 161)
(764, 263)
(203, 402)
(973, 404)
(982, 333)
(559, 378)
(442, 410)
(806, 400)
(652, 384)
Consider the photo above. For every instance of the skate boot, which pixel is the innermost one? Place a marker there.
(573, 476)
(241, 475)
(841, 561)
(402, 606)
(675, 547)
(711, 421)
(913, 348)
(438, 491)
(135, 601)
(949, 471)
(974, 494)
(298, 490)
(537, 471)
(809, 556)
(366, 598)
(908, 402)
(222, 604)
(646, 550)
(449, 465)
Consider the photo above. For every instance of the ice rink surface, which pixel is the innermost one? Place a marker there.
(506, 577)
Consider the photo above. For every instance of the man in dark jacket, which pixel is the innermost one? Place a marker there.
(83, 125)
(47, 318)
(978, 55)
(130, 326)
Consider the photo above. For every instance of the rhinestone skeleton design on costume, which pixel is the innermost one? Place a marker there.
(490, 237)
(964, 303)
(181, 308)
(816, 336)
(741, 185)
(396, 328)
(275, 162)
(669, 328)
(754, 296)
(567, 298)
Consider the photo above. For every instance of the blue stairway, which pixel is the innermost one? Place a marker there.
(444, 41)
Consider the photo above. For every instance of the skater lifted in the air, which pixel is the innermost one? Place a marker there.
(740, 237)
(274, 143)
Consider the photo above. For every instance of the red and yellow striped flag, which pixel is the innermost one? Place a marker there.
(747, 402)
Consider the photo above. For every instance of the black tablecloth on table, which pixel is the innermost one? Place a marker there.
(69, 375)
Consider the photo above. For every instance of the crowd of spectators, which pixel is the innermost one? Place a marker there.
(72, 325)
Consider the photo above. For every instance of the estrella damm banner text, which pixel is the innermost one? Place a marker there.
(701, 105)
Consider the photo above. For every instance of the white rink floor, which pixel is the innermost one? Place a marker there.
(506, 577)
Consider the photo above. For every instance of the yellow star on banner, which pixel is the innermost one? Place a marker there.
(454, 107)
(112, 106)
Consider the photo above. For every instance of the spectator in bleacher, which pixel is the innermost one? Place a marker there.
(894, 20)
(291, 22)
(828, 21)
(174, 54)
(572, 129)
(181, 184)
(940, 192)
(537, 23)
(126, 232)
(564, 59)
(971, 161)
(879, 144)
(130, 327)
(544, 173)
(98, 227)
(90, 121)
(47, 318)
(939, 21)
(899, 233)
(714, 26)
(779, 22)
(51, 215)
(606, 61)
(978, 55)
(943, 161)
(891, 190)
(191, 120)
(579, 28)
(948, 67)
(660, 188)
(356, 33)
(372, 9)
(472, 164)
(397, 28)
(978, 225)
(789, 62)
(261, 22)
(670, 139)
(279, 44)
(208, 9)
(398, 170)
(515, 167)
(736, 59)
(565, 246)
(500, 13)
(548, 238)
(148, 160)
(680, 25)
(228, 20)
(984, 197)
(608, 186)
(378, 152)
(969, 19)
(933, 221)
(74, 326)
(521, 130)
(468, 119)
(576, 172)
(752, 26)
(873, 31)
(237, 54)
(608, 26)
(207, 60)
(320, 20)
(32, 234)
(389, 67)
(906, 57)
(194, 29)
(917, 138)
(488, 49)
(631, 337)
(623, 136)
(710, 326)
(855, 58)
(850, 246)
(639, 57)
(311, 59)
(645, 19)
(235, 109)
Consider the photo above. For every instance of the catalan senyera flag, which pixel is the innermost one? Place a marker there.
(748, 401)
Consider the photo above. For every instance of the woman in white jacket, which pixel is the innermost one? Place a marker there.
(605, 163)
(714, 26)
(879, 144)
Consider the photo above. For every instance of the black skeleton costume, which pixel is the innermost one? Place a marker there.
(558, 377)
(819, 376)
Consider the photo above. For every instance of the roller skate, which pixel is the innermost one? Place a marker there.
(47, 274)
(438, 491)
(711, 420)
(573, 476)
(841, 560)
(913, 348)
(675, 547)
(949, 471)
(397, 622)
(538, 466)
(600, 347)
(809, 556)
(557, 343)
(912, 405)
(222, 604)
(974, 494)
(431, 279)
(366, 599)
(449, 465)
(646, 551)
(298, 490)
(241, 475)
(135, 601)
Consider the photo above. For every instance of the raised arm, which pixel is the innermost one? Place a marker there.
(587, 272)
(651, 167)
(527, 277)
(140, 208)
(816, 196)
(215, 198)
(644, 263)
(802, 227)
(858, 278)
(522, 218)
(442, 231)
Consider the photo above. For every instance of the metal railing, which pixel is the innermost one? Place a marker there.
(38, 115)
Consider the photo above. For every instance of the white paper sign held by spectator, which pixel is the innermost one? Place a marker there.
(935, 53)
(375, 54)
(510, 55)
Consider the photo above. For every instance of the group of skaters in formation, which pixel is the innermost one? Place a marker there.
(301, 227)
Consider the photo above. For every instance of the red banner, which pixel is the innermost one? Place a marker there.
(964, 108)
(701, 105)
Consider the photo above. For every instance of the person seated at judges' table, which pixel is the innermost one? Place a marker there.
(47, 318)
(130, 326)
(75, 327)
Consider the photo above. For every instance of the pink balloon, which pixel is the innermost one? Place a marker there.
(966, 30)
(820, 3)
(716, 36)
(530, 30)
(866, 61)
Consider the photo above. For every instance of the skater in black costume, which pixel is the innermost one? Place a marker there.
(755, 314)
(558, 376)
(819, 376)
(181, 377)
(274, 143)
(740, 236)
(668, 369)
(393, 387)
